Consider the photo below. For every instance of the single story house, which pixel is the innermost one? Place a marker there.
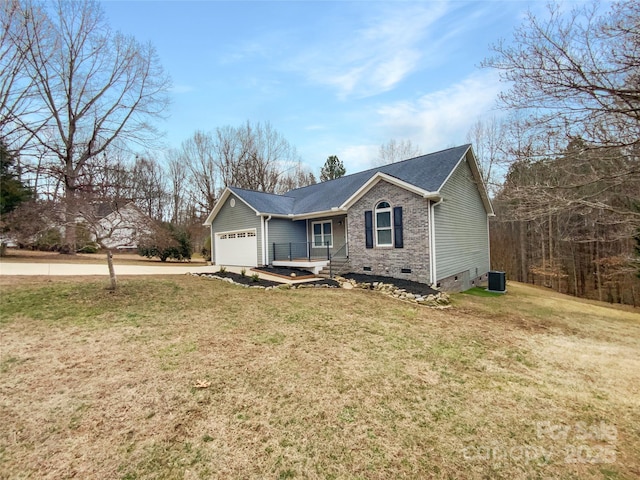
(424, 219)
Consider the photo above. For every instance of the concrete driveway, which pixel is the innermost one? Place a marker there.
(84, 269)
(76, 269)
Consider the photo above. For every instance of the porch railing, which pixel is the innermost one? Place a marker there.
(292, 251)
(342, 255)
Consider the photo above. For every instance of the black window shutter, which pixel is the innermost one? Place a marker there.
(368, 228)
(398, 240)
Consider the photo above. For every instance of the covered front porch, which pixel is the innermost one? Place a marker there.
(326, 240)
(306, 255)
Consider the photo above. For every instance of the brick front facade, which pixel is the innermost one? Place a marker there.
(390, 261)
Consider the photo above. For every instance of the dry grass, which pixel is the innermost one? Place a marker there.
(312, 384)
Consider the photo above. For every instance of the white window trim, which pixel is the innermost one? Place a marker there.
(375, 223)
(322, 222)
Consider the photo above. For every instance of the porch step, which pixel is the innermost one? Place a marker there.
(338, 266)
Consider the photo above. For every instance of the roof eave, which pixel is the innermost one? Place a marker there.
(217, 207)
(220, 203)
(321, 213)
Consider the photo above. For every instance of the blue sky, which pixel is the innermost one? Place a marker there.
(335, 78)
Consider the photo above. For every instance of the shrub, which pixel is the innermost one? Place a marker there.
(49, 240)
(84, 241)
(91, 247)
(206, 249)
(243, 272)
(166, 241)
(223, 270)
(255, 277)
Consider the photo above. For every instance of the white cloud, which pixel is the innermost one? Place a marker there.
(432, 122)
(373, 59)
(357, 158)
(440, 119)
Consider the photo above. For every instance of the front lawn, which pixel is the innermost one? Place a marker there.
(182, 377)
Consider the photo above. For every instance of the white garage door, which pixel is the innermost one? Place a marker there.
(237, 248)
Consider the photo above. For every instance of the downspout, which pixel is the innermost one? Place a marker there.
(488, 242)
(211, 262)
(262, 240)
(430, 243)
(432, 239)
(266, 232)
(346, 237)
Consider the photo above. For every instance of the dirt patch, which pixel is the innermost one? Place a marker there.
(411, 287)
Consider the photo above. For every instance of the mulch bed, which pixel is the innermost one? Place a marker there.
(319, 283)
(246, 280)
(286, 272)
(416, 288)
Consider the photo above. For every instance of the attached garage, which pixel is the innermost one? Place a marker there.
(238, 247)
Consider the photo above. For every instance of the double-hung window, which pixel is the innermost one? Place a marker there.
(322, 234)
(384, 235)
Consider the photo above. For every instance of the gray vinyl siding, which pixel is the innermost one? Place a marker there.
(338, 228)
(461, 235)
(239, 217)
(283, 231)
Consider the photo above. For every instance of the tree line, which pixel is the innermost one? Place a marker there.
(564, 167)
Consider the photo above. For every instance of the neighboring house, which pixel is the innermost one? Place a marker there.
(423, 219)
(117, 225)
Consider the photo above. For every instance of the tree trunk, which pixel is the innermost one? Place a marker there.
(523, 253)
(70, 216)
(551, 262)
(112, 272)
(598, 275)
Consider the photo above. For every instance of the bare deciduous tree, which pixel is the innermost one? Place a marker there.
(396, 151)
(489, 141)
(148, 185)
(251, 156)
(94, 88)
(576, 73)
(299, 177)
(15, 82)
(198, 155)
(265, 157)
(177, 172)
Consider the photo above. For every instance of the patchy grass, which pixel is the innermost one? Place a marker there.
(188, 378)
(481, 292)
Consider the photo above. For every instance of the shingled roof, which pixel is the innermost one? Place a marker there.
(427, 173)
